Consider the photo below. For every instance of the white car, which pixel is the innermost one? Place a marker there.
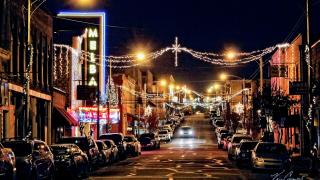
(164, 135)
(169, 130)
(186, 131)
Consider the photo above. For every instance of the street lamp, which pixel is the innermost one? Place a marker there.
(230, 55)
(140, 56)
(163, 82)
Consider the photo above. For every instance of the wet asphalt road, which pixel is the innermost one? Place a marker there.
(182, 158)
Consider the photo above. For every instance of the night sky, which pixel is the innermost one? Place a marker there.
(204, 25)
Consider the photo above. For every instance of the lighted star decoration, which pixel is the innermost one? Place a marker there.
(176, 50)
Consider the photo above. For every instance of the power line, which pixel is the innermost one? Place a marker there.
(95, 24)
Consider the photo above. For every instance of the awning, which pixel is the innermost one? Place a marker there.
(63, 118)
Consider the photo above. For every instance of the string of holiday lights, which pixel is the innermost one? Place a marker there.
(213, 58)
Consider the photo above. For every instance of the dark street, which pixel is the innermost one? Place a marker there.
(182, 158)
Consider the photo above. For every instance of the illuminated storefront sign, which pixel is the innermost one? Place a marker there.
(93, 48)
(97, 46)
(90, 114)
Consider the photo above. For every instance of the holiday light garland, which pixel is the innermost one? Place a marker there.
(128, 61)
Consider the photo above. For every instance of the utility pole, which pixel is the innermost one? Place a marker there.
(29, 67)
(109, 97)
(305, 74)
(308, 60)
(261, 77)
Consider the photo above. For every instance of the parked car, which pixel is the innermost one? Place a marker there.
(226, 142)
(243, 152)
(164, 135)
(7, 163)
(214, 119)
(154, 139)
(87, 145)
(222, 137)
(70, 159)
(235, 142)
(218, 125)
(118, 139)
(169, 129)
(133, 145)
(34, 159)
(267, 155)
(114, 150)
(171, 124)
(146, 143)
(105, 153)
(221, 130)
(186, 131)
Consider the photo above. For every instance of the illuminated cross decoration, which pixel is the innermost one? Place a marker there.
(176, 50)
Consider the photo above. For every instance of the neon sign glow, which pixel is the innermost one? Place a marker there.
(89, 114)
(102, 41)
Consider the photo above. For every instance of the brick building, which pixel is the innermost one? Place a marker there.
(13, 45)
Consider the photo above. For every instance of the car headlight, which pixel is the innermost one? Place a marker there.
(259, 159)
(181, 132)
(190, 132)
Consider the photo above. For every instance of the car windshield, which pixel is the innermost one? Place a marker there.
(271, 148)
(81, 142)
(224, 135)
(128, 139)
(116, 138)
(60, 150)
(163, 132)
(224, 131)
(19, 148)
(220, 123)
(145, 140)
(248, 145)
(238, 139)
(149, 135)
(186, 128)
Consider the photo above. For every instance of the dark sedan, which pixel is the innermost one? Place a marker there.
(146, 143)
(243, 152)
(34, 159)
(105, 153)
(133, 145)
(113, 148)
(69, 159)
(7, 163)
(118, 139)
(87, 145)
(155, 140)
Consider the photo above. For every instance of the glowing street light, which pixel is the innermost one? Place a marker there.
(209, 90)
(140, 56)
(177, 87)
(223, 76)
(230, 55)
(216, 86)
(163, 82)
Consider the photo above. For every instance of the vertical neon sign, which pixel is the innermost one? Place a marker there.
(93, 48)
(101, 41)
